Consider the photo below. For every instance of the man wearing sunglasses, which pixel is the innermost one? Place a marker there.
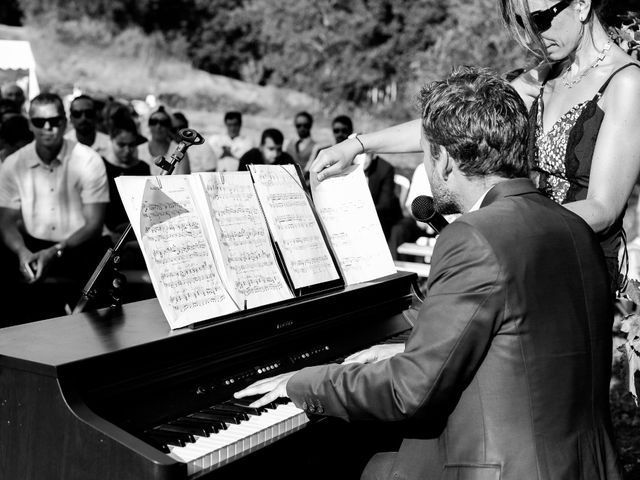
(84, 120)
(53, 196)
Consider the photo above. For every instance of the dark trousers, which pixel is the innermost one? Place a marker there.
(60, 286)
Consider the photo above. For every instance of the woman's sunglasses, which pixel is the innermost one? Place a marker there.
(160, 121)
(542, 18)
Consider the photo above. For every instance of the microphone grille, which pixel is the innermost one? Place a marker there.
(423, 208)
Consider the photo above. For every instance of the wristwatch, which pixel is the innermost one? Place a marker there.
(59, 249)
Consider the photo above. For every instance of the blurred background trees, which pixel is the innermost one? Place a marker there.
(370, 54)
(364, 52)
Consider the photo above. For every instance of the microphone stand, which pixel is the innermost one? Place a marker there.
(111, 258)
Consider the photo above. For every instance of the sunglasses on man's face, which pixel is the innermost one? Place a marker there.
(54, 122)
(542, 18)
(90, 114)
(303, 125)
(159, 121)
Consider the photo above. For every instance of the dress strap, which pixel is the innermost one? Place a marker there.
(606, 84)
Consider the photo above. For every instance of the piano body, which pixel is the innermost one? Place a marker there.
(115, 394)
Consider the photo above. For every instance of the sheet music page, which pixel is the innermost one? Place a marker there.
(293, 225)
(239, 238)
(349, 216)
(165, 220)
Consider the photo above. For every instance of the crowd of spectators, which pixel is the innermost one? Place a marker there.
(59, 207)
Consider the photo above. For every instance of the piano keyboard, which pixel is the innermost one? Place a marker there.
(225, 432)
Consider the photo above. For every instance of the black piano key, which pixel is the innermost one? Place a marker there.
(178, 432)
(240, 412)
(214, 423)
(157, 443)
(191, 428)
(211, 427)
(245, 402)
(166, 438)
(212, 416)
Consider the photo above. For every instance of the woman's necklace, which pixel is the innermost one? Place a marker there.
(570, 83)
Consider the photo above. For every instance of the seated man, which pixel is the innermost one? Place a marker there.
(84, 119)
(53, 196)
(228, 148)
(269, 152)
(506, 372)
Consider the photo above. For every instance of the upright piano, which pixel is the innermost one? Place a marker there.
(115, 394)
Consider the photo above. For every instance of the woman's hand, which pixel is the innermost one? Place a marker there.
(335, 160)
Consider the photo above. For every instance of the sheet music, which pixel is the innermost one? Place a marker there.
(347, 211)
(293, 225)
(240, 239)
(175, 249)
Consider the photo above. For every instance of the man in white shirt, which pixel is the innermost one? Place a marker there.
(53, 197)
(229, 147)
(84, 120)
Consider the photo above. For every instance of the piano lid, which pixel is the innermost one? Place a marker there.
(45, 346)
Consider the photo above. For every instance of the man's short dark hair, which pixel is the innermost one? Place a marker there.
(480, 120)
(344, 120)
(84, 97)
(233, 116)
(48, 99)
(274, 134)
(306, 115)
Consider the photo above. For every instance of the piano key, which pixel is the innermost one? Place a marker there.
(240, 439)
(177, 432)
(206, 418)
(211, 427)
(204, 414)
(246, 401)
(228, 408)
(190, 428)
(166, 438)
(221, 411)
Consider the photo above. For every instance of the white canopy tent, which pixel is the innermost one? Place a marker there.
(17, 55)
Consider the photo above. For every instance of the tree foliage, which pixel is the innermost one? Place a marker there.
(337, 50)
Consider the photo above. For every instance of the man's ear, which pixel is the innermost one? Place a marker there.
(445, 163)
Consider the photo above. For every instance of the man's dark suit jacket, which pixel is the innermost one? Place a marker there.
(506, 373)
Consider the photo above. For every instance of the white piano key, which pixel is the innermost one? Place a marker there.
(240, 439)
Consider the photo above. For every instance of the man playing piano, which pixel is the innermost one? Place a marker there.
(506, 372)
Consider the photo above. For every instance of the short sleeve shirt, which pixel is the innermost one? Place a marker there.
(51, 197)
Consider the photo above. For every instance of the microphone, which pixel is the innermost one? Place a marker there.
(424, 210)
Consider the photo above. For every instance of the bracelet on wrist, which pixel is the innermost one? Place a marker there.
(361, 144)
(59, 249)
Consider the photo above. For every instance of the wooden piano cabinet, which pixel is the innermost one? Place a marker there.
(42, 439)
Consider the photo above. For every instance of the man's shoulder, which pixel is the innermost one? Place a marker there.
(83, 152)
(21, 157)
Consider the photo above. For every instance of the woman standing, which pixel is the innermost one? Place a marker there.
(585, 109)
